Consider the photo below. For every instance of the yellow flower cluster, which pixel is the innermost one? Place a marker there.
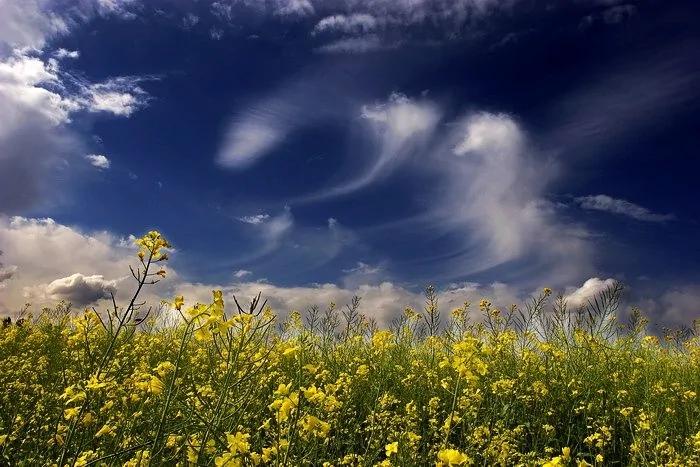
(235, 386)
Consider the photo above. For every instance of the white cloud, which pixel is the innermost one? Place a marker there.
(63, 53)
(28, 85)
(27, 23)
(98, 160)
(241, 273)
(276, 227)
(52, 261)
(382, 301)
(254, 219)
(32, 141)
(494, 133)
(119, 96)
(579, 297)
(81, 290)
(489, 201)
(621, 207)
(363, 274)
(257, 130)
(45, 256)
(6, 273)
(33, 23)
(37, 101)
(357, 23)
(494, 194)
(44, 251)
(294, 8)
(400, 126)
(249, 139)
(679, 305)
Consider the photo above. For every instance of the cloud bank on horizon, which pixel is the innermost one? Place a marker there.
(315, 150)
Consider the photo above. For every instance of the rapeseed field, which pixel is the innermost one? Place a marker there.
(230, 384)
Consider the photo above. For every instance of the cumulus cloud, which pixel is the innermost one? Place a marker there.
(678, 305)
(103, 259)
(32, 140)
(383, 301)
(6, 273)
(28, 85)
(579, 297)
(29, 24)
(621, 207)
(81, 290)
(363, 274)
(32, 23)
(98, 160)
(51, 260)
(38, 100)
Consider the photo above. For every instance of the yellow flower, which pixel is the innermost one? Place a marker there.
(391, 448)
(554, 462)
(227, 459)
(238, 443)
(178, 302)
(151, 244)
(155, 385)
(566, 453)
(314, 426)
(94, 383)
(71, 413)
(105, 430)
(449, 457)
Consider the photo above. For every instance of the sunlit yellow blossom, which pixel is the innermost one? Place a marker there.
(449, 457)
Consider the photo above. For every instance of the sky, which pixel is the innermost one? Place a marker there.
(319, 149)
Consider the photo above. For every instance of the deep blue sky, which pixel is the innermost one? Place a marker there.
(591, 98)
